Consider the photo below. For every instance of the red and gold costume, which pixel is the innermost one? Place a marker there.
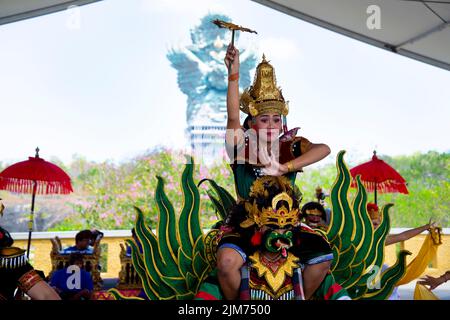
(262, 97)
(15, 271)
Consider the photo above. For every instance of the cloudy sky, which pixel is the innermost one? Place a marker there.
(101, 86)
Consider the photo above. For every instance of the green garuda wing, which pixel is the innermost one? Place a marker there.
(174, 262)
(358, 249)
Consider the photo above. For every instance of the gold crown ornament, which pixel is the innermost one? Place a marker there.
(280, 217)
(260, 185)
(263, 96)
(313, 212)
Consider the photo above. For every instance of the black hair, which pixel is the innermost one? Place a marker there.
(247, 119)
(84, 234)
(314, 205)
(96, 235)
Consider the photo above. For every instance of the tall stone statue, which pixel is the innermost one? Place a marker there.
(202, 76)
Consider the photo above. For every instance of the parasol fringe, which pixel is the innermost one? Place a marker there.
(388, 186)
(43, 187)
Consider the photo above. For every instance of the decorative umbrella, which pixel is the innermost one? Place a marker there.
(35, 176)
(378, 176)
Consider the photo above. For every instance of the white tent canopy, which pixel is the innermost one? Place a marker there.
(412, 28)
(16, 10)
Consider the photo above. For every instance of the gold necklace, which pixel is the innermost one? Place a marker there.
(275, 279)
(267, 258)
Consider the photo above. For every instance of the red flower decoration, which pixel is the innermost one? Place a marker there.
(256, 239)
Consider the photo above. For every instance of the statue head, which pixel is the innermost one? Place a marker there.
(206, 34)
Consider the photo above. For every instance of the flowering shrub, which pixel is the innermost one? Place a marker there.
(106, 193)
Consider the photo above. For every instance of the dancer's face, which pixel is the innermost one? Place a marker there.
(376, 222)
(313, 220)
(269, 124)
(83, 244)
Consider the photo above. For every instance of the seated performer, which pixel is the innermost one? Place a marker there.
(320, 196)
(281, 258)
(256, 150)
(15, 271)
(82, 243)
(375, 216)
(315, 215)
(64, 281)
(433, 282)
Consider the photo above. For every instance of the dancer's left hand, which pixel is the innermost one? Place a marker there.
(274, 168)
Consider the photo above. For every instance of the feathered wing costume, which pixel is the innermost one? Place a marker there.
(358, 249)
(178, 262)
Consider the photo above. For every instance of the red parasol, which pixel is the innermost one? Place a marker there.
(35, 176)
(378, 176)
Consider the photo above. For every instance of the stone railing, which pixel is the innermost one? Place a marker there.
(41, 247)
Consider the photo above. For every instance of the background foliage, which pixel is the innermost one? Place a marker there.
(106, 193)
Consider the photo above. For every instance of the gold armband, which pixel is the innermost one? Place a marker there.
(290, 166)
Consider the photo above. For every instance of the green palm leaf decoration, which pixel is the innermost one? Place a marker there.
(222, 200)
(174, 262)
(179, 257)
(358, 249)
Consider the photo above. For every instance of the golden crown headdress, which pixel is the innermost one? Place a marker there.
(270, 215)
(280, 217)
(313, 212)
(260, 185)
(263, 96)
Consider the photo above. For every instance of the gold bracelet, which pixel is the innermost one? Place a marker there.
(290, 166)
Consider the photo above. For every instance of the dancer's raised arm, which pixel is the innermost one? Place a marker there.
(234, 130)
